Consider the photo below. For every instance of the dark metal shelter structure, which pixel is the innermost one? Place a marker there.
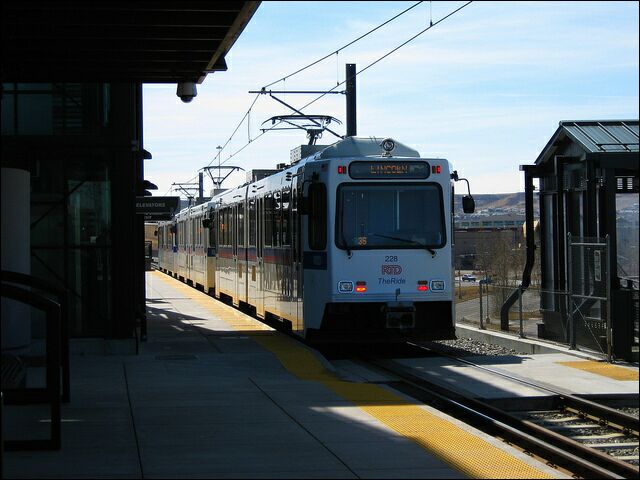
(72, 75)
(588, 172)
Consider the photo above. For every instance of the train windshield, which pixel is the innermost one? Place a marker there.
(374, 216)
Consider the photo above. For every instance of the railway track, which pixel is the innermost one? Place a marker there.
(580, 436)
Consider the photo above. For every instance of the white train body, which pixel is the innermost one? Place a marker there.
(352, 243)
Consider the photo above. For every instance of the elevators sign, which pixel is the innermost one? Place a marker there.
(157, 208)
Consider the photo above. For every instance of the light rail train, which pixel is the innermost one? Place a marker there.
(350, 243)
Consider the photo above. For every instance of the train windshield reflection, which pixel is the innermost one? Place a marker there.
(390, 216)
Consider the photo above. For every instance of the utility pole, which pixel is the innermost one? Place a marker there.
(352, 127)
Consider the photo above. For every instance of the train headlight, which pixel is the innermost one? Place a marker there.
(345, 287)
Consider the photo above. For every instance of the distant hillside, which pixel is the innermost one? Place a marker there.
(514, 203)
(507, 202)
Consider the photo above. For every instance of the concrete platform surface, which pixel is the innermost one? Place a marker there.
(558, 371)
(216, 394)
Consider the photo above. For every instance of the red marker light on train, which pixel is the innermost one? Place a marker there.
(342, 169)
(423, 285)
(361, 287)
(435, 169)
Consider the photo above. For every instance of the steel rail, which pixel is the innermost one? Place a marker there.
(613, 417)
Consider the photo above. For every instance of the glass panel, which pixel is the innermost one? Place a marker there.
(8, 112)
(317, 216)
(89, 241)
(269, 220)
(89, 281)
(252, 223)
(241, 225)
(47, 224)
(384, 216)
(627, 234)
(35, 114)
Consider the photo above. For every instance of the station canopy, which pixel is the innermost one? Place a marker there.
(594, 137)
(118, 40)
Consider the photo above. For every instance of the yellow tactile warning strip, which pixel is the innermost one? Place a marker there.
(462, 450)
(604, 369)
(465, 452)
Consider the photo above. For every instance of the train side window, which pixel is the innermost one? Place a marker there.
(234, 229)
(252, 223)
(294, 223)
(286, 215)
(268, 220)
(221, 227)
(277, 220)
(213, 230)
(229, 226)
(317, 216)
(260, 226)
(241, 225)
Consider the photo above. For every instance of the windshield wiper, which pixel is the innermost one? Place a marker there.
(344, 240)
(407, 240)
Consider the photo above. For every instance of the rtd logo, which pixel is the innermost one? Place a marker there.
(391, 269)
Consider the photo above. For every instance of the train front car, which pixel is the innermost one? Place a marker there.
(385, 272)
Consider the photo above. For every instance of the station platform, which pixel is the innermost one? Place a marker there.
(214, 393)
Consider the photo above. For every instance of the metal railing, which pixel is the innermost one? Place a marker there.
(51, 393)
(549, 315)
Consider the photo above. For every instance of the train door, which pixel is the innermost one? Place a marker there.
(234, 255)
(251, 236)
(296, 242)
(188, 239)
(285, 257)
(220, 241)
(190, 248)
(241, 278)
(260, 257)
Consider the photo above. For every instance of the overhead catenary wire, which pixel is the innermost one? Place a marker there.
(338, 84)
(284, 79)
(335, 52)
(246, 114)
(432, 24)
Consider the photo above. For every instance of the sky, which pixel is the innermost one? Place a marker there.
(484, 88)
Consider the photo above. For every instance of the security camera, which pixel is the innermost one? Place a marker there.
(186, 91)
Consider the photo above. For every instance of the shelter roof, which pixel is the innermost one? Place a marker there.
(118, 40)
(594, 136)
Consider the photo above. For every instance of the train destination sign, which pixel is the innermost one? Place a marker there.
(389, 169)
(156, 205)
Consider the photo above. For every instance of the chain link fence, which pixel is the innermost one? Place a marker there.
(482, 310)
(579, 317)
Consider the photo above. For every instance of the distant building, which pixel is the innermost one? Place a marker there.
(475, 233)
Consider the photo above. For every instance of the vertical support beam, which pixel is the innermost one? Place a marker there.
(590, 201)
(608, 218)
(352, 128)
(571, 318)
(127, 230)
(609, 319)
(529, 174)
(200, 184)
